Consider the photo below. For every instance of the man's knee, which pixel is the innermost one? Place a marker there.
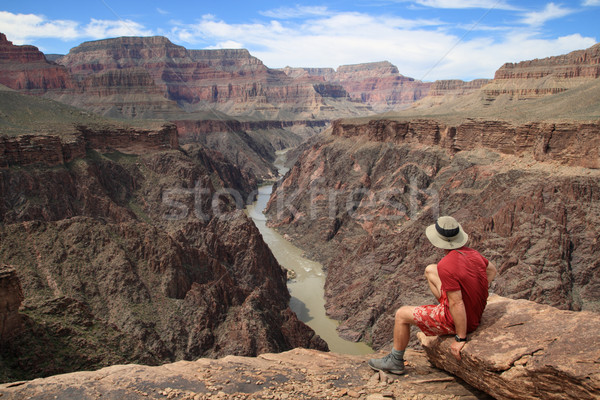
(405, 315)
(431, 270)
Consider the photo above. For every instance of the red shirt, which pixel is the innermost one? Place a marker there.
(465, 270)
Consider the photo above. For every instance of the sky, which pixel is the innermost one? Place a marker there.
(426, 39)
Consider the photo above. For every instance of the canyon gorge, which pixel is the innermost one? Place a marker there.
(126, 163)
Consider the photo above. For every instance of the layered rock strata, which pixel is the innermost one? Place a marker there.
(520, 352)
(360, 198)
(11, 297)
(53, 150)
(378, 84)
(231, 81)
(456, 87)
(568, 143)
(26, 68)
(547, 76)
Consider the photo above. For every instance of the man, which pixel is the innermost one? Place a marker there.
(459, 281)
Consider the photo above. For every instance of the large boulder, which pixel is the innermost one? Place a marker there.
(525, 350)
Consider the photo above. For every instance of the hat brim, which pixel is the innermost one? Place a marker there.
(442, 242)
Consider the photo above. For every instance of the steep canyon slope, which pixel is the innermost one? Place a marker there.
(525, 188)
(128, 249)
(360, 200)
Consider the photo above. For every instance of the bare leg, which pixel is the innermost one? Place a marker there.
(394, 361)
(404, 318)
(433, 279)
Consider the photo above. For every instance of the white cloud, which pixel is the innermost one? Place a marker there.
(161, 11)
(295, 12)
(99, 29)
(228, 44)
(459, 4)
(591, 3)
(414, 46)
(551, 11)
(25, 28)
(20, 28)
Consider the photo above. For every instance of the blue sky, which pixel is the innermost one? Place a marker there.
(425, 39)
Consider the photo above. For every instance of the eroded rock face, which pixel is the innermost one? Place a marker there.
(250, 145)
(524, 350)
(360, 199)
(378, 84)
(132, 256)
(231, 81)
(26, 68)
(11, 297)
(547, 76)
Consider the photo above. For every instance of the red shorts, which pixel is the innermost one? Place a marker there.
(432, 319)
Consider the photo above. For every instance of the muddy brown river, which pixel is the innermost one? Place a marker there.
(306, 289)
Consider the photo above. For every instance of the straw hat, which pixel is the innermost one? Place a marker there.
(446, 233)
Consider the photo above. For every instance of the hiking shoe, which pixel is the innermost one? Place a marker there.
(387, 364)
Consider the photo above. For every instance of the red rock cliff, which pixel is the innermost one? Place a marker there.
(567, 143)
(26, 68)
(577, 64)
(232, 80)
(378, 84)
(54, 150)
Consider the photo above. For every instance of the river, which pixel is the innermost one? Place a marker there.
(308, 300)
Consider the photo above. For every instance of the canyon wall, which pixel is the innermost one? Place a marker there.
(360, 197)
(26, 68)
(134, 250)
(230, 81)
(547, 76)
(51, 150)
(568, 143)
(379, 84)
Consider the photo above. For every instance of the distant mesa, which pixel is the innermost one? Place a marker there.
(151, 77)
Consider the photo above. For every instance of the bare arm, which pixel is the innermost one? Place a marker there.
(491, 272)
(459, 315)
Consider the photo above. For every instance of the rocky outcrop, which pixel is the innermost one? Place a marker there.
(380, 85)
(54, 150)
(577, 64)
(250, 145)
(568, 143)
(520, 352)
(26, 68)
(360, 198)
(38, 149)
(377, 84)
(11, 297)
(130, 140)
(547, 76)
(456, 87)
(297, 374)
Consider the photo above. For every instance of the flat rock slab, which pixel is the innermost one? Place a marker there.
(296, 374)
(525, 350)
